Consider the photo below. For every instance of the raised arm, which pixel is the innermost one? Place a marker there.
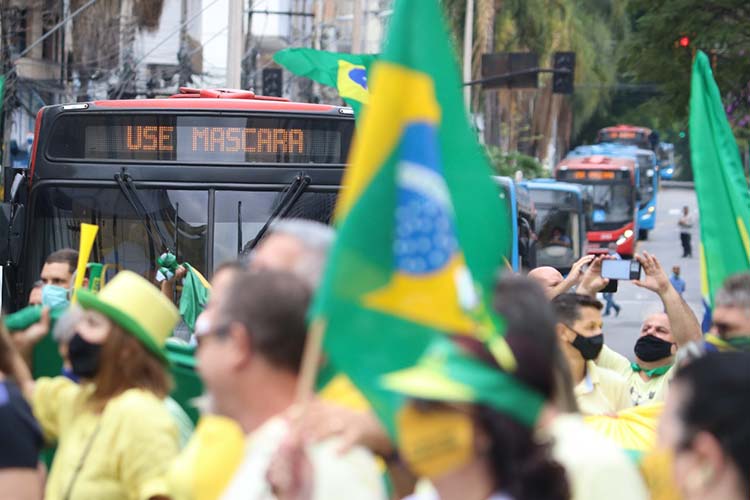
(574, 276)
(685, 326)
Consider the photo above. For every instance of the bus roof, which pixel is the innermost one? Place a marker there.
(597, 162)
(215, 99)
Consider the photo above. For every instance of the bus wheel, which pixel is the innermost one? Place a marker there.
(643, 234)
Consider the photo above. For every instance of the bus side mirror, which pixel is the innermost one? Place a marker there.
(638, 196)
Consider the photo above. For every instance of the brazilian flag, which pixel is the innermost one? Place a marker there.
(720, 185)
(421, 228)
(345, 72)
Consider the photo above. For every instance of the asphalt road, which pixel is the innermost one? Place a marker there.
(620, 333)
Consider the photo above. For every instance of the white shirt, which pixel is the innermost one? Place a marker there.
(352, 476)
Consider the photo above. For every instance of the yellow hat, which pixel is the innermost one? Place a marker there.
(138, 307)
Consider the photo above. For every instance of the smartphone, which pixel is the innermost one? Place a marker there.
(621, 269)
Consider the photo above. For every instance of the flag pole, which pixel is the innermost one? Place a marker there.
(311, 358)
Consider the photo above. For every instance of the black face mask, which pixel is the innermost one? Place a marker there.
(651, 348)
(589, 347)
(84, 356)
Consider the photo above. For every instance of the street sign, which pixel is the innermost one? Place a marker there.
(521, 69)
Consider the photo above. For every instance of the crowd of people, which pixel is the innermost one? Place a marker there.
(469, 428)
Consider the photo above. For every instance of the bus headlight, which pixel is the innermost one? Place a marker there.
(651, 209)
(625, 237)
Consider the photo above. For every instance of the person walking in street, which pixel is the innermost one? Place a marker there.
(677, 282)
(609, 297)
(685, 224)
(115, 436)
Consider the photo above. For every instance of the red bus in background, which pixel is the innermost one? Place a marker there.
(630, 135)
(612, 184)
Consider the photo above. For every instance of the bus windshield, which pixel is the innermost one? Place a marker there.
(181, 214)
(612, 205)
(559, 233)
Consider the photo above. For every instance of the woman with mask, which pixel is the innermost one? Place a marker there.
(114, 434)
(705, 426)
(468, 429)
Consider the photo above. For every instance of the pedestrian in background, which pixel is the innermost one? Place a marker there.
(609, 297)
(677, 282)
(685, 224)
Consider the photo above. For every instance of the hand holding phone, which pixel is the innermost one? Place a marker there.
(621, 269)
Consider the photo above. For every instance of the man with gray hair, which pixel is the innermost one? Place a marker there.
(298, 246)
(731, 315)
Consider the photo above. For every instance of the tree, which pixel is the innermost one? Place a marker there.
(721, 28)
(538, 122)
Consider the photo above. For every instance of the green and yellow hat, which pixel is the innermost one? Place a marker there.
(138, 307)
(446, 373)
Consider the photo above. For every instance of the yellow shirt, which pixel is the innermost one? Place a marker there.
(209, 461)
(641, 391)
(596, 467)
(601, 392)
(124, 452)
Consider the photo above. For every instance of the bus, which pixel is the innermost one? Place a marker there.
(648, 186)
(560, 222)
(665, 153)
(201, 174)
(630, 135)
(612, 183)
(518, 203)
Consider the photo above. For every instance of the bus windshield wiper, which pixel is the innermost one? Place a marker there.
(125, 182)
(289, 197)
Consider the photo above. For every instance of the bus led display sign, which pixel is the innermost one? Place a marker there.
(594, 175)
(200, 139)
(217, 139)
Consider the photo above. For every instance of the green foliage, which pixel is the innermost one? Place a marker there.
(718, 27)
(508, 164)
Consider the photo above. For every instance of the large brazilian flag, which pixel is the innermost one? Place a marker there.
(420, 224)
(720, 184)
(345, 72)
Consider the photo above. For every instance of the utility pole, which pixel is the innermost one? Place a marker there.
(234, 45)
(248, 59)
(468, 41)
(357, 27)
(183, 55)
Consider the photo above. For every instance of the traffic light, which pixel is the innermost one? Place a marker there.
(564, 64)
(684, 41)
(272, 82)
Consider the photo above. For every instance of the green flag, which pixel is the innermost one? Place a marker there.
(421, 228)
(720, 184)
(345, 72)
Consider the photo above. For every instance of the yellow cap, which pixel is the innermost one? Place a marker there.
(138, 307)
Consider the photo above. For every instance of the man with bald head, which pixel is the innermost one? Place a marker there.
(662, 333)
(552, 281)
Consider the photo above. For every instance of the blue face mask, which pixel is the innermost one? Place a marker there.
(54, 296)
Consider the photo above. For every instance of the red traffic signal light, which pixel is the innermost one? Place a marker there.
(684, 41)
